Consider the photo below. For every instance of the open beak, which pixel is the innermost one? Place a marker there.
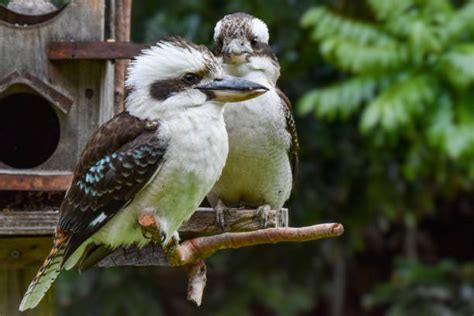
(231, 89)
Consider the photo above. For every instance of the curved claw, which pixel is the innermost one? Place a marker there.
(263, 211)
(221, 210)
(172, 244)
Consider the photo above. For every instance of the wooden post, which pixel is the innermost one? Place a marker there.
(123, 9)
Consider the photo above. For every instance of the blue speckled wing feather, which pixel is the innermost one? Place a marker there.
(120, 158)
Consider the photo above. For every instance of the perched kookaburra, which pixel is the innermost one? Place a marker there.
(162, 156)
(263, 144)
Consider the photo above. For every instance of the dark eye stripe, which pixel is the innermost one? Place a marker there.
(162, 89)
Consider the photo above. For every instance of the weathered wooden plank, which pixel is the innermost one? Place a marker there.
(13, 284)
(20, 259)
(24, 252)
(16, 223)
(61, 101)
(35, 181)
(98, 50)
(203, 222)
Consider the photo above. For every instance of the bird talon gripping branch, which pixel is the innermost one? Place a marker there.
(263, 212)
(221, 211)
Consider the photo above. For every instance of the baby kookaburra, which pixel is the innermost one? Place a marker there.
(263, 143)
(161, 155)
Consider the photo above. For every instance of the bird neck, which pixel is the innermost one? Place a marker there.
(259, 69)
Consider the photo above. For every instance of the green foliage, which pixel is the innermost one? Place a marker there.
(344, 176)
(418, 289)
(411, 73)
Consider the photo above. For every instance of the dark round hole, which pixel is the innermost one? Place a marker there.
(29, 130)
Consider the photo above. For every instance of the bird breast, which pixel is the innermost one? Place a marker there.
(257, 170)
(193, 162)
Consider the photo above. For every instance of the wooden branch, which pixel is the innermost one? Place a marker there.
(197, 282)
(192, 250)
(202, 223)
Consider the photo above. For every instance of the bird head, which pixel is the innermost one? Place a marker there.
(176, 74)
(242, 42)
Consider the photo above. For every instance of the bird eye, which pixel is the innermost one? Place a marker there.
(190, 78)
(254, 41)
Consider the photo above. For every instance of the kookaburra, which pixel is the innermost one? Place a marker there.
(263, 144)
(161, 155)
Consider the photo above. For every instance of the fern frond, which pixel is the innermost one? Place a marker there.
(363, 59)
(458, 65)
(399, 104)
(418, 33)
(389, 8)
(459, 140)
(327, 25)
(343, 99)
(430, 7)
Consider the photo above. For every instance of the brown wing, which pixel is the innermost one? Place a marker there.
(120, 158)
(291, 128)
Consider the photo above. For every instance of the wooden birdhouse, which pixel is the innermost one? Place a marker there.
(49, 108)
(59, 81)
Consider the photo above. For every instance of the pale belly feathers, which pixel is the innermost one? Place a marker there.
(192, 164)
(258, 170)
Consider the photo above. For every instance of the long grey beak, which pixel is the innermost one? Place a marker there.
(231, 89)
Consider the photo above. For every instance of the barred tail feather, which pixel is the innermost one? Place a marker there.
(45, 277)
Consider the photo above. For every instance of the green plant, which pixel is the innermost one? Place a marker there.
(446, 288)
(410, 76)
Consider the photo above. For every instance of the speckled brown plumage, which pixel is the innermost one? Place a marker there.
(120, 158)
(233, 25)
(238, 25)
(291, 128)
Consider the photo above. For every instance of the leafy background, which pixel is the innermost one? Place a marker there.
(384, 104)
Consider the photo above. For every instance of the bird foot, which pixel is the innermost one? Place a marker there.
(263, 211)
(147, 234)
(221, 210)
(170, 245)
(150, 226)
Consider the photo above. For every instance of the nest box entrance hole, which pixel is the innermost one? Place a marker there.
(29, 130)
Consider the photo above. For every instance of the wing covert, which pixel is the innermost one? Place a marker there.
(118, 161)
(291, 128)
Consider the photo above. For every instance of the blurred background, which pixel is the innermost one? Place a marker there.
(383, 95)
